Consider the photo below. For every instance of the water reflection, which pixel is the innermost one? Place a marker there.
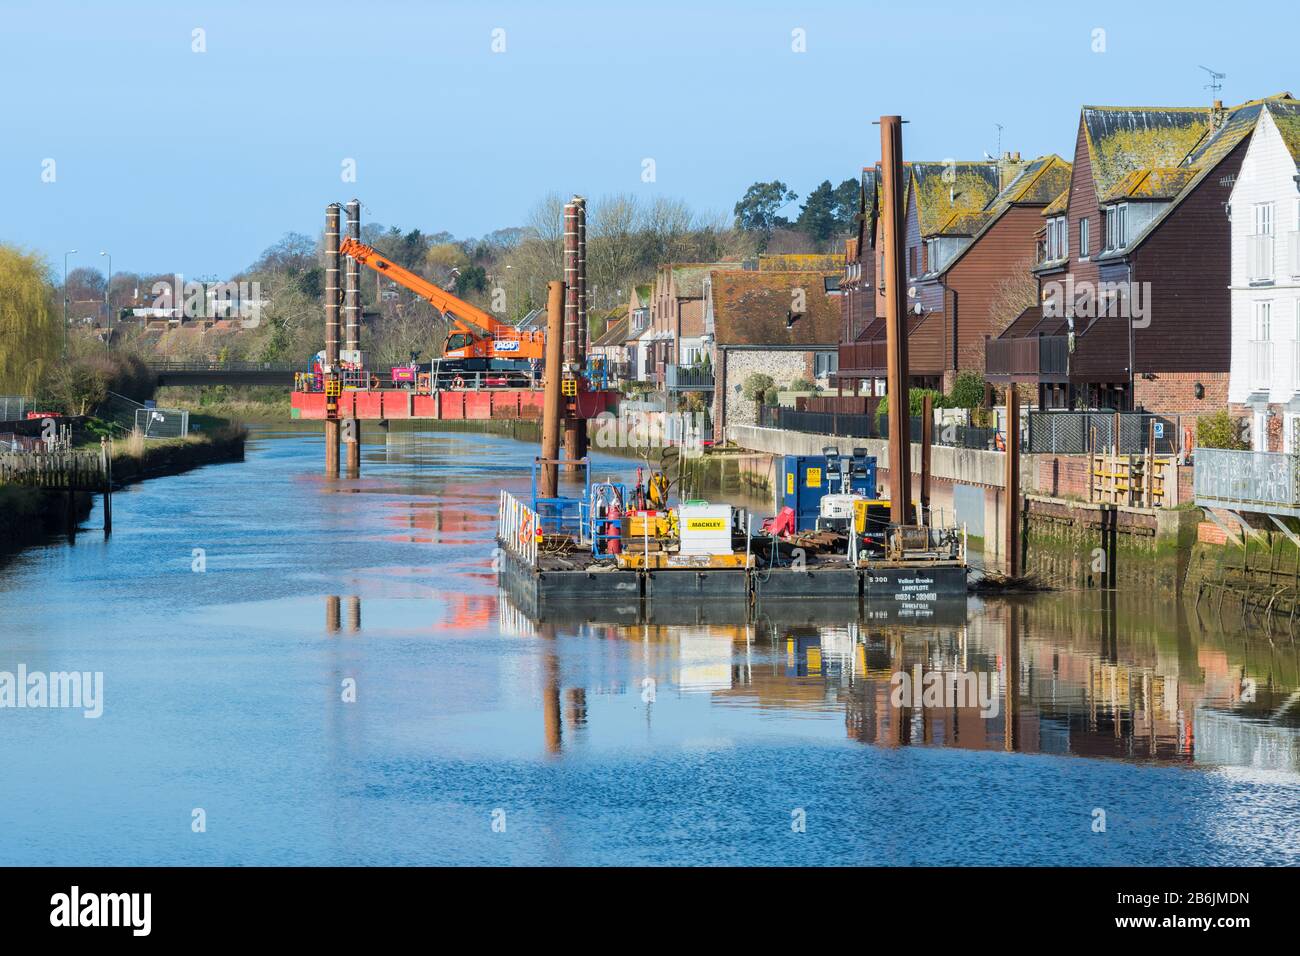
(1076, 674)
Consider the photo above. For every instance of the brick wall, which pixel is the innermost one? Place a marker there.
(1174, 393)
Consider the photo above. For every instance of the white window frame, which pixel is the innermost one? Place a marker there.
(1083, 237)
(1263, 219)
(1264, 320)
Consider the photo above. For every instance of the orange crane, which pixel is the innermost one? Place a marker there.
(477, 340)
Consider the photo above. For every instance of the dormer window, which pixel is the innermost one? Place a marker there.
(1117, 226)
(1058, 239)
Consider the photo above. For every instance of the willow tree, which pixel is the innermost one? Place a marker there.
(29, 328)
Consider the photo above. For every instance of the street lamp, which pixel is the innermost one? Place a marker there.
(70, 252)
(108, 304)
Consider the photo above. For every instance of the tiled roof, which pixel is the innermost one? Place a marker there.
(688, 277)
(615, 334)
(942, 189)
(751, 308)
(1286, 116)
(1235, 125)
(1159, 183)
(801, 262)
(1121, 139)
(1039, 182)
(1058, 205)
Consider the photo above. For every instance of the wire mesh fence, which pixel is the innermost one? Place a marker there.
(162, 422)
(12, 408)
(1077, 433)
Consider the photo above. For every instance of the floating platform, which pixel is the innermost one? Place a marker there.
(455, 405)
(902, 591)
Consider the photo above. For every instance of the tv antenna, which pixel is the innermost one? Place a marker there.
(1215, 83)
(998, 154)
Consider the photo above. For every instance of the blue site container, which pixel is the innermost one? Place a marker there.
(806, 479)
(802, 486)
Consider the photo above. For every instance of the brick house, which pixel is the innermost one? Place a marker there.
(1133, 267)
(675, 335)
(946, 204)
(782, 324)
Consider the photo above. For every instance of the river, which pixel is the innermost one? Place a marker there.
(298, 670)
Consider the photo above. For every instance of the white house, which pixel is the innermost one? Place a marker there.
(1264, 206)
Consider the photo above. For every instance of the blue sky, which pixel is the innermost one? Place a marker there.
(194, 162)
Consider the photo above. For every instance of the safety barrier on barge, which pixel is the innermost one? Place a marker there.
(688, 588)
(520, 403)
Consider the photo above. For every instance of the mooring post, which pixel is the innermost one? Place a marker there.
(927, 437)
(107, 467)
(552, 397)
(331, 338)
(1012, 490)
(895, 276)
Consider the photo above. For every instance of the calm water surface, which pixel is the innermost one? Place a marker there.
(595, 743)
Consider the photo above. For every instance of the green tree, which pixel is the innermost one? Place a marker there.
(759, 209)
(846, 197)
(30, 338)
(817, 216)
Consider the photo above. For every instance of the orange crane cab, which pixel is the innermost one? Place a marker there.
(477, 340)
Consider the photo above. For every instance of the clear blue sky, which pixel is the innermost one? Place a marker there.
(179, 161)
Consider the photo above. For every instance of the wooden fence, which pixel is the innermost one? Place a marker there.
(82, 470)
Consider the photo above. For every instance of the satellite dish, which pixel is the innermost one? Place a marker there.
(917, 308)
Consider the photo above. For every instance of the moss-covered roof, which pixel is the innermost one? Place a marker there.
(752, 308)
(945, 189)
(1037, 182)
(1163, 182)
(1286, 116)
(1121, 139)
(801, 262)
(1058, 205)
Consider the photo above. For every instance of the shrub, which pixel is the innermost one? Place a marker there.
(756, 386)
(967, 391)
(1219, 430)
(802, 385)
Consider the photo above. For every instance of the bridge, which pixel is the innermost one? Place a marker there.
(170, 372)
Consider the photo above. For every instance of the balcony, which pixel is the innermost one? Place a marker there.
(867, 358)
(687, 378)
(1259, 258)
(1036, 358)
(1261, 366)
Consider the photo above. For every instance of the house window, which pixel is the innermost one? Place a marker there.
(1116, 220)
(1083, 237)
(1263, 321)
(1263, 219)
(825, 363)
(911, 262)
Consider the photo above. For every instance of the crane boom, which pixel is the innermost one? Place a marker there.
(439, 298)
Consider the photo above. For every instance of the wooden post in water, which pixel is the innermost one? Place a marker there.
(552, 398)
(106, 464)
(900, 422)
(1012, 489)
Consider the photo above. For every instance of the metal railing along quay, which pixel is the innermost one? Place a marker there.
(517, 528)
(871, 426)
(1266, 482)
